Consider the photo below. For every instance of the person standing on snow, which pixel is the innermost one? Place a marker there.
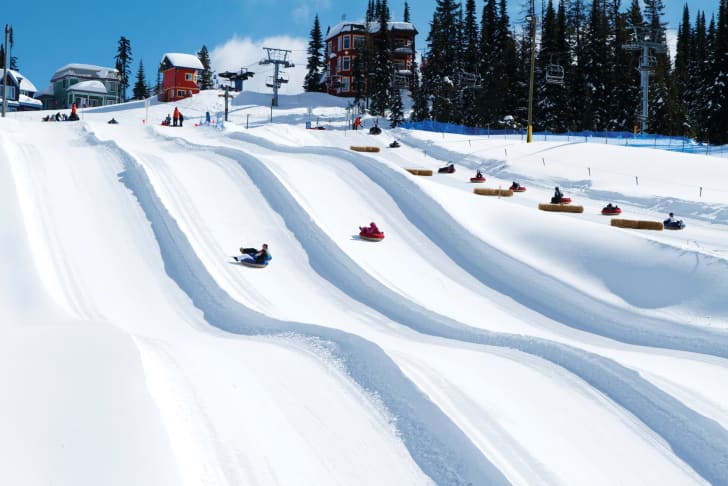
(175, 117)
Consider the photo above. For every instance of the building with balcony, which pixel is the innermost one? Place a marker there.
(345, 40)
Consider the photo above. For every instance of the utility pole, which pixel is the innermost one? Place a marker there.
(8, 34)
(532, 21)
(277, 57)
(646, 40)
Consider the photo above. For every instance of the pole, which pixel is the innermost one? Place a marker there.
(227, 90)
(532, 20)
(8, 29)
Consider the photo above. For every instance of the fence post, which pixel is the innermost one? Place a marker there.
(636, 180)
(701, 191)
(589, 169)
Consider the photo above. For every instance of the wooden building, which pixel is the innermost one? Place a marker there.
(346, 39)
(179, 78)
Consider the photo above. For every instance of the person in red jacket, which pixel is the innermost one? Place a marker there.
(175, 117)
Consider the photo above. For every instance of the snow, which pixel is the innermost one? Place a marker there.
(92, 86)
(183, 60)
(481, 342)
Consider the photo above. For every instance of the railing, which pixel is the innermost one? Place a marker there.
(664, 142)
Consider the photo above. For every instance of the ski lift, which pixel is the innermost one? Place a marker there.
(554, 74)
(271, 82)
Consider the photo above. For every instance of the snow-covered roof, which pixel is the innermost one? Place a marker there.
(178, 59)
(27, 100)
(86, 70)
(373, 27)
(92, 86)
(47, 91)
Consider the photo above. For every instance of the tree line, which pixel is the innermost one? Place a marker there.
(476, 68)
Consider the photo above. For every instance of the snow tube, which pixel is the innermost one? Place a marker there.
(449, 169)
(375, 131)
(563, 200)
(677, 225)
(249, 261)
(610, 211)
(394, 144)
(371, 236)
(518, 189)
(477, 179)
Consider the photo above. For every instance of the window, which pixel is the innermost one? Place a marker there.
(339, 43)
(359, 41)
(181, 93)
(188, 76)
(338, 64)
(345, 80)
(347, 41)
(346, 64)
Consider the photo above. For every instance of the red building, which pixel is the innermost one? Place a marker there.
(343, 42)
(180, 76)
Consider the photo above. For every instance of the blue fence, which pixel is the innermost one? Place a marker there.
(664, 142)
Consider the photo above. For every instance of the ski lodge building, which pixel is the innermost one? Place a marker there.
(179, 80)
(343, 42)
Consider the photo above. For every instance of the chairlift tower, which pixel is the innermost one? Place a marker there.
(648, 41)
(237, 79)
(277, 57)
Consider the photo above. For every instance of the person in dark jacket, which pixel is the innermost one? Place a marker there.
(260, 256)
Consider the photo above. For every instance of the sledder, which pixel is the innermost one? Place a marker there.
(479, 177)
(516, 187)
(672, 223)
(448, 169)
(559, 197)
(611, 209)
(371, 232)
(252, 257)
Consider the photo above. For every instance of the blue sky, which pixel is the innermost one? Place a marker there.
(49, 34)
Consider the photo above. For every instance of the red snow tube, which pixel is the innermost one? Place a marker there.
(611, 211)
(371, 236)
(518, 189)
(564, 200)
(477, 179)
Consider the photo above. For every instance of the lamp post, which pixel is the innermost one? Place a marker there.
(532, 21)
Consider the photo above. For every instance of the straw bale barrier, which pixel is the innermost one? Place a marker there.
(564, 208)
(485, 191)
(637, 224)
(420, 172)
(364, 148)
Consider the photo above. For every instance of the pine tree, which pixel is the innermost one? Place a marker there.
(717, 95)
(470, 67)
(406, 15)
(205, 81)
(442, 51)
(315, 65)
(698, 68)
(383, 68)
(624, 94)
(396, 117)
(123, 64)
(141, 90)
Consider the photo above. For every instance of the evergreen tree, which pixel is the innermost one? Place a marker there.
(315, 65)
(141, 90)
(383, 68)
(442, 51)
(406, 16)
(205, 81)
(396, 117)
(469, 80)
(551, 112)
(698, 69)
(625, 92)
(717, 95)
(597, 67)
(420, 104)
(123, 64)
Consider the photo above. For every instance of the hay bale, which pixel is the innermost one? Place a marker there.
(364, 148)
(637, 224)
(420, 172)
(563, 208)
(650, 225)
(485, 191)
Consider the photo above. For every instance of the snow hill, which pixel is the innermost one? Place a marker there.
(481, 342)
